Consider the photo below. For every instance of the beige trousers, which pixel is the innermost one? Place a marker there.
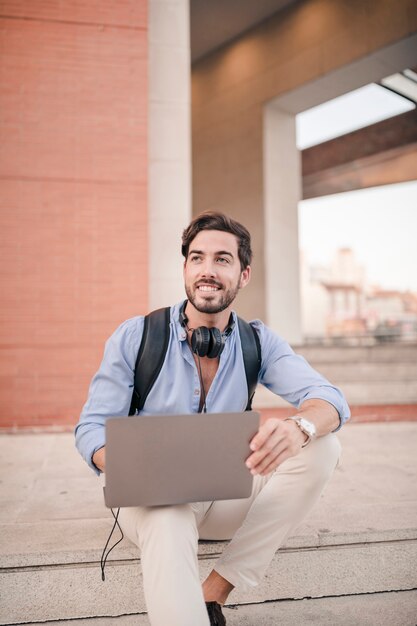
(257, 526)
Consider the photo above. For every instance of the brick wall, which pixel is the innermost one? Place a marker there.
(73, 170)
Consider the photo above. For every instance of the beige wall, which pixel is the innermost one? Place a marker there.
(169, 147)
(231, 87)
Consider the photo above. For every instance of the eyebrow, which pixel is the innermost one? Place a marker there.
(220, 252)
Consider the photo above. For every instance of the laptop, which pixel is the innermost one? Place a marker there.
(174, 459)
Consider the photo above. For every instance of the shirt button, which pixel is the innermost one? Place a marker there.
(196, 392)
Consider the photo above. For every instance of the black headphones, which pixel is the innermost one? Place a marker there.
(206, 341)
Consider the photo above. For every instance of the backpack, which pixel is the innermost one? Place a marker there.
(153, 347)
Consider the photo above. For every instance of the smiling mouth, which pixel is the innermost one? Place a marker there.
(208, 288)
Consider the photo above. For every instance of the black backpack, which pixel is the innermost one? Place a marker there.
(153, 347)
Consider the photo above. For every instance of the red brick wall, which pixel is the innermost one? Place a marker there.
(73, 221)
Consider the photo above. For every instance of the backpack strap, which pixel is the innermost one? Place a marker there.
(151, 356)
(154, 345)
(252, 357)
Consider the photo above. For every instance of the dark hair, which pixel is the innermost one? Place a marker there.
(210, 220)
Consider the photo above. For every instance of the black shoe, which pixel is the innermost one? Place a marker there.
(216, 616)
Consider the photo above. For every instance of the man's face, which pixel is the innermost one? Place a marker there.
(212, 272)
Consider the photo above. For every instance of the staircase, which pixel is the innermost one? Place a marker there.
(383, 374)
(360, 539)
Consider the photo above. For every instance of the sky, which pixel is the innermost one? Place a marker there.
(357, 109)
(379, 224)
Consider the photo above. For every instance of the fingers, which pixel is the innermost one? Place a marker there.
(267, 445)
(264, 433)
(265, 459)
(275, 442)
(268, 468)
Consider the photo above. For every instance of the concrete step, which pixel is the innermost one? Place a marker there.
(387, 353)
(361, 538)
(382, 609)
(367, 375)
(370, 372)
(68, 585)
(370, 392)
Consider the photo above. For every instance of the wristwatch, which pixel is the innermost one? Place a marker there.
(306, 426)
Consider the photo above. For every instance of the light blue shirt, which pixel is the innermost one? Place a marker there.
(177, 389)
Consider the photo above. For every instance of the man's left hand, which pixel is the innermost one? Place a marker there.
(275, 442)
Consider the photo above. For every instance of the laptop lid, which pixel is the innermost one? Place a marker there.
(175, 459)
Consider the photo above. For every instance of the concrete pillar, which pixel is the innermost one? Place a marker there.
(282, 192)
(169, 147)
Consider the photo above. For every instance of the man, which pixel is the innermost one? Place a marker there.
(291, 460)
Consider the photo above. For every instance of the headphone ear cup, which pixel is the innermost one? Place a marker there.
(200, 341)
(216, 343)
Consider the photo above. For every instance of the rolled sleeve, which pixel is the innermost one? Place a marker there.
(290, 376)
(110, 391)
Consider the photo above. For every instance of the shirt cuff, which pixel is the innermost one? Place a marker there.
(92, 464)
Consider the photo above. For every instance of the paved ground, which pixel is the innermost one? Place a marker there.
(46, 489)
(379, 609)
(44, 482)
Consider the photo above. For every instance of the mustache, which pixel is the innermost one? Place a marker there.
(209, 281)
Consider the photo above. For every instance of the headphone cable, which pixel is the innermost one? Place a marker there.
(104, 556)
(203, 408)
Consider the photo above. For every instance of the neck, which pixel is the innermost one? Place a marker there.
(196, 318)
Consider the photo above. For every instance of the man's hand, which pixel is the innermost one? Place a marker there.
(99, 458)
(278, 440)
(275, 441)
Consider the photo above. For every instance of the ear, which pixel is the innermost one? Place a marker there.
(245, 277)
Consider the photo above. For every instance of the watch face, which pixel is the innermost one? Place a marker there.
(308, 427)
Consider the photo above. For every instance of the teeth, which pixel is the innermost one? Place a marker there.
(207, 288)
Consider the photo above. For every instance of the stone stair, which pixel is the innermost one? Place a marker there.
(381, 374)
(360, 539)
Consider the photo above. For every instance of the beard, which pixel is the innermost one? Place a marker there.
(212, 303)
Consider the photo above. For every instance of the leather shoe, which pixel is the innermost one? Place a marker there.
(216, 616)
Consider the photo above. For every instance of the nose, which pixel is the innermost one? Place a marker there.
(208, 268)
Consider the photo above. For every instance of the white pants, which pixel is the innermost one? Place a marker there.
(257, 526)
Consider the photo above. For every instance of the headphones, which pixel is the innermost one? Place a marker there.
(206, 341)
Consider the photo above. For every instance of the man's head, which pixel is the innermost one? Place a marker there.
(211, 220)
(217, 261)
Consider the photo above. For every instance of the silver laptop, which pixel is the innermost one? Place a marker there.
(174, 459)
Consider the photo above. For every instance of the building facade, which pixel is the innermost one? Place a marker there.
(98, 128)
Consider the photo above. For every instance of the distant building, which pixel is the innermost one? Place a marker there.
(314, 300)
(338, 303)
(392, 314)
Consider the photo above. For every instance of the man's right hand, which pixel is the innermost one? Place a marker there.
(99, 458)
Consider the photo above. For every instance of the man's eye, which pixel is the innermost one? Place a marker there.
(222, 259)
(195, 257)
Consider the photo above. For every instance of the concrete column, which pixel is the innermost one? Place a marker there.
(282, 192)
(169, 146)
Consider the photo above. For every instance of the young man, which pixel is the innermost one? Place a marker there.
(291, 460)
